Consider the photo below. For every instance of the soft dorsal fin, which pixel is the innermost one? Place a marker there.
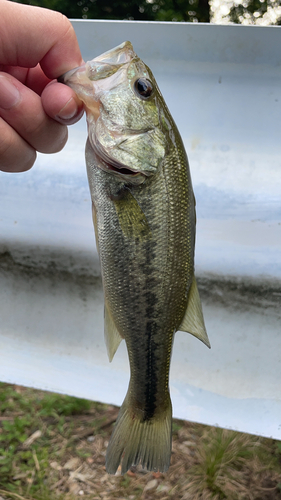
(111, 334)
(193, 321)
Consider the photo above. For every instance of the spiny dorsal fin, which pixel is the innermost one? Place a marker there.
(193, 321)
(112, 336)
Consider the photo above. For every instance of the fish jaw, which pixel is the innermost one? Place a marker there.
(82, 78)
(101, 66)
(121, 54)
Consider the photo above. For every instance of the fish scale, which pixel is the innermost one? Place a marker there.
(144, 216)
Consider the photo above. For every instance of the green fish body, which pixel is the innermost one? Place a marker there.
(144, 216)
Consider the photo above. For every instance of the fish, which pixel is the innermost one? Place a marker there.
(144, 218)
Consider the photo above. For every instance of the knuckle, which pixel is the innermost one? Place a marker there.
(66, 26)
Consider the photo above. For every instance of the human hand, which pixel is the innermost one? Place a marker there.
(36, 46)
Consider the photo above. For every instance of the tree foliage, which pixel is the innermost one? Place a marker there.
(253, 11)
(145, 10)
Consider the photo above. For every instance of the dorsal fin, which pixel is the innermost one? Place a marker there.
(111, 334)
(193, 321)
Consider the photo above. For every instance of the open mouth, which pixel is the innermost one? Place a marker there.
(122, 170)
(111, 165)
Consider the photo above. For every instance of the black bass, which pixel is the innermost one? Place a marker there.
(144, 217)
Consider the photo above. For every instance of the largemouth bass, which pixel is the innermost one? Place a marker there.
(144, 217)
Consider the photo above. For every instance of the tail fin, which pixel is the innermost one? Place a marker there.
(135, 440)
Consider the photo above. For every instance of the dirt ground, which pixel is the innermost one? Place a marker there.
(53, 447)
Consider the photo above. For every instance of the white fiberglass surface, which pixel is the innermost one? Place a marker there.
(222, 86)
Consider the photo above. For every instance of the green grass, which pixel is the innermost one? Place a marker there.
(53, 405)
(23, 466)
(231, 465)
(220, 459)
(52, 447)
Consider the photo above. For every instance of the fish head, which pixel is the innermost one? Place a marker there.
(126, 125)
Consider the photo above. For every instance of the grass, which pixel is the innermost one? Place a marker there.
(52, 447)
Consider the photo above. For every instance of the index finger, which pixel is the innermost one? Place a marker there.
(32, 35)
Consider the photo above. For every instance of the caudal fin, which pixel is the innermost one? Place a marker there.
(136, 441)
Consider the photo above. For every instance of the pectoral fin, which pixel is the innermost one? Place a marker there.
(112, 336)
(131, 218)
(193, 321)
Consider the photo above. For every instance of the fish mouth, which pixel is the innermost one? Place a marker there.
(99, 68)
(113, 58)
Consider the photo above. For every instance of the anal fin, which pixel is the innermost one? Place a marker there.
(112, 336)
(193, 321)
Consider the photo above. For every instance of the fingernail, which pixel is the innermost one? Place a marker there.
(9, 94)
(68, 111)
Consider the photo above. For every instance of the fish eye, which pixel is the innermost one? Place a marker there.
(143, 88)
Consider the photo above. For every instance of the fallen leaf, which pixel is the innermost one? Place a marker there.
(151, 485)
(131, 473)
(74, 488)
(157, 475)
(31, 439)
(55, 465)
(72, 463)
(80, 477)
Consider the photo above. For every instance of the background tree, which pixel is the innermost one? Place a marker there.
(256, 12)
(249, 11)
(149, 10)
